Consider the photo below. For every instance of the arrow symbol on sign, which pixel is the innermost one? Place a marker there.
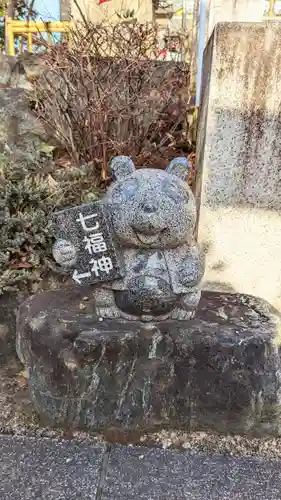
(78, 277)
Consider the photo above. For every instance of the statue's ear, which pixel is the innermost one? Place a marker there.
(121, 167)
(180, 167)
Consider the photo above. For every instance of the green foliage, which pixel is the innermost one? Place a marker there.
(127, 14)
(33, 189)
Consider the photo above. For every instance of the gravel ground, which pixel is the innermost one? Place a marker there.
(17, 417)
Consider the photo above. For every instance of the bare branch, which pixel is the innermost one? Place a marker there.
(107, 94)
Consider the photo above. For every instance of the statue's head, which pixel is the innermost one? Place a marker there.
(151, 208)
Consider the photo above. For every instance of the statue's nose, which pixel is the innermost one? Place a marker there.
(149, 207)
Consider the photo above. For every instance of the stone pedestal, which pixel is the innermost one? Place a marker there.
(239, 160)
(219, 371)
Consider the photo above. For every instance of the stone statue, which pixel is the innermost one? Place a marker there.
(151, 215)
(134, 358)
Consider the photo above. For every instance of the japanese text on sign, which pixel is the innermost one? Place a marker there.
(95, 244)
(86, 231)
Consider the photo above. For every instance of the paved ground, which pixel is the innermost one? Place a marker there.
(33, 468)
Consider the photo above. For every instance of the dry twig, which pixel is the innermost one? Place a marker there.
(107, 94)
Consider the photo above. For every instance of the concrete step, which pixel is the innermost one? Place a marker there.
(32, 468)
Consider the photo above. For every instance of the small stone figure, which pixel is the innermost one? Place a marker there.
(152, 215)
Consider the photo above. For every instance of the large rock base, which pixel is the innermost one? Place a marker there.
(220, 371)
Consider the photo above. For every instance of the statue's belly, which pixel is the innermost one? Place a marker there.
(146, 295)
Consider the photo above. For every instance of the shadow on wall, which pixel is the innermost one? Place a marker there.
(239, 126)
(240, 212)
(216, 267)
(239, 159)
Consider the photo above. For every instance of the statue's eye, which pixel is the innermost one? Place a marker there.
(175, 192)
(130, 188)
(125, 191)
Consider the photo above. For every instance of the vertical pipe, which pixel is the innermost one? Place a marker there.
(10, 38)
(184, 31)
(193, 46)
(270, 12)
(201, 46)
(29, 41)
(10, 11)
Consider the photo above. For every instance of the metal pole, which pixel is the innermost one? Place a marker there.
(201, 46)
(9, 39)
(271, 8)
(184, 30)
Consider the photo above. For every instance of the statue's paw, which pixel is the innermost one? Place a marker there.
(181, 314)
(108, 312)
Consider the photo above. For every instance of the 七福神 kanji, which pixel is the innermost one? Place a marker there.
(83, 218)
(86, 227)
(102, 265)
(95, 243)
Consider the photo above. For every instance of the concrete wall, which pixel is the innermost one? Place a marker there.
(108, 10)
(234, 11)
(239, 160)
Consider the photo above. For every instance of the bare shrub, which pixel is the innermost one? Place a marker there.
(106, 94)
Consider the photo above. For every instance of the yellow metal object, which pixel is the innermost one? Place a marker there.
(270, 14)
(29, 42)
(25, 29)
(271, 8)
(28, 28)
(179, 12)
